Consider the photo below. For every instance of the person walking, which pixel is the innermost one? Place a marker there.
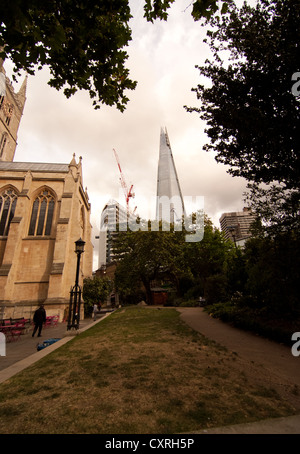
(38, 319)
(95, 310)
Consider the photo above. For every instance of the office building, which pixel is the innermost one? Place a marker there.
(236, 225)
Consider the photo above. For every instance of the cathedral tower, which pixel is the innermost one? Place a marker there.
(11, 110)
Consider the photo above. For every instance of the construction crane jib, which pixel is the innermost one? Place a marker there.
(128, 193)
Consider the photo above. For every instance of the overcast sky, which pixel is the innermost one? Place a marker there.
(162, 58)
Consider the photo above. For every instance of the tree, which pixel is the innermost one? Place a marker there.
(192, 268)
(201, 9)
(128, 282)
(272, 267)
(96, 290)
(82, 42)
(277, 206)
(251, 112)
(145, 256)
(207, 260)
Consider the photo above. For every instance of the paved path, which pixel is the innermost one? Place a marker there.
(22, 353)
(276, 358)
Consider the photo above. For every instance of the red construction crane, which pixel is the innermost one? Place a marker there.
(128, 193)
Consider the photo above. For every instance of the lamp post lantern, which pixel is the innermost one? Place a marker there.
(75, 293)
(233, 231)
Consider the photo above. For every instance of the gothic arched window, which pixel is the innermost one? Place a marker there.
(42, 214)
(8, 201)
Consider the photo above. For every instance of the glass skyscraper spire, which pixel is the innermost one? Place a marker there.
(169, 200)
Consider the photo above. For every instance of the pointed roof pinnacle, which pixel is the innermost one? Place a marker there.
(73, 161)
(21, 94)
(79, 167)
(22, 91)
(164, 139)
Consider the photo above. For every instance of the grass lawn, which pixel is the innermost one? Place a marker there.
(141, 370)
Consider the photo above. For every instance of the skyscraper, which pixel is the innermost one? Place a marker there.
(112, 218)
(236, 225)
(169, 200)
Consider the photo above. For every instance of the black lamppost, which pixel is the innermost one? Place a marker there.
(75, 293)
(233, 231)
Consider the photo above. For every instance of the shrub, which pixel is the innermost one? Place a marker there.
(215, 289)
(194, 292)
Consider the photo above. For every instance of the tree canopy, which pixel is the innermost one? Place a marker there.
(96, 290)
(145, 256)
(251, 113)
(82, 42)
(149, 256)
(201, 9)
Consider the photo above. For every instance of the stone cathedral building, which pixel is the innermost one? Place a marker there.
(44, 209)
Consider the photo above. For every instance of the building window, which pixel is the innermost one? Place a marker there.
(8, 201)
(82, 222)
(2, 143)
(8, 110)
(42, 214)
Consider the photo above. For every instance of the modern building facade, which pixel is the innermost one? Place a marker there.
(236, 225)
(113, 216)
(169, 201)
(43, 211)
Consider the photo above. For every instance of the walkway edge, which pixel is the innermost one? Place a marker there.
(272, 426)
(26, 362)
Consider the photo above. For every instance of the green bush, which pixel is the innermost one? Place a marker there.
(215, 289)
(173, 300)
(194, 292)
